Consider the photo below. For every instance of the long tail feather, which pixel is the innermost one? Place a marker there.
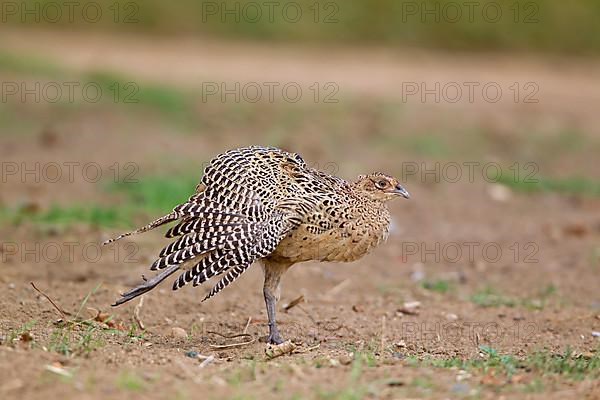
(146, 286)
(154, 224)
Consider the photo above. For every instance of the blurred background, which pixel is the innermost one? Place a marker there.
(352, 86)
(487, 111)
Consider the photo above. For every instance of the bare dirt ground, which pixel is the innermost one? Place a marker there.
(355, 335)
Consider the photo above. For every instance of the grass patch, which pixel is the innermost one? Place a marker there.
(64, 216)
(60, 215)
(15, 334)
(69, 341)
(542, 298)
(124, 90)
(157, 193)
(130, 381)
(535, 386)
(354, 390)
(506, 364)
(552, 145)
(572, 186)
(490, 298)
(363, 358)
(550, 25)
(440, 286)
(115, 88)
(76, 337)
(427, 145)
(28, 65)
(243, 374)
(422, 383)
(149, 196)
(72, 336)
(567, 364)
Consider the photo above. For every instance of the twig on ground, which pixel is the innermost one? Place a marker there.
(247, 325)
(136, 313)
(207, 361)
(311, 348)
(338, 288)
(59, 370)
(232, 345)
(62, 312)
(294, 303)
(228, 346)
(229, 336)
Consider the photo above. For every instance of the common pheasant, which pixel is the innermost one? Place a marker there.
(263, 203)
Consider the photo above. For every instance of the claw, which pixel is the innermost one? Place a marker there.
(275, 338)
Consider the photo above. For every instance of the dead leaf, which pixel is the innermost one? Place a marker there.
(26, 337)
(58, 369)
(577, 230)
(277, 350)
(357, 308)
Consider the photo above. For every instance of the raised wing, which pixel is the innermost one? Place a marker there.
(247, 202)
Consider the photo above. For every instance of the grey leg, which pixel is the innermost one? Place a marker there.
(273, 272)
(271, 302)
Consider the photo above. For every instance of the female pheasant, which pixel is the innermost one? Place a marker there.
(263, 203)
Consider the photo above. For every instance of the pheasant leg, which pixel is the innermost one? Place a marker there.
(271, 302)
(271, 290)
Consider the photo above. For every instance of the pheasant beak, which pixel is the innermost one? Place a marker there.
(399, 190)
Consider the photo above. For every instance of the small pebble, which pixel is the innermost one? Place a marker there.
(410, 305)
(178, 332)
(207, 361)
(537, 303)
(595, 334)
(499, 193)
(346, 359)
(451, 317)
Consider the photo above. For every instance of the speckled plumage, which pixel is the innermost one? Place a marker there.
(260, 203)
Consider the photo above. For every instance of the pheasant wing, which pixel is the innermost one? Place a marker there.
(245, 205)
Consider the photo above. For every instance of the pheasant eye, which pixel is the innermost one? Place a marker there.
(381, 184)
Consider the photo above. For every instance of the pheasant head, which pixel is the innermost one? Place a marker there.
(380, 187)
